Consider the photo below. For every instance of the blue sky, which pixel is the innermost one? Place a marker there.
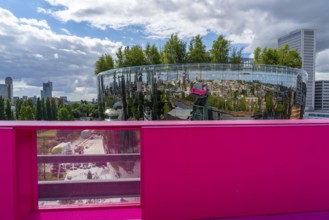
(60, 40)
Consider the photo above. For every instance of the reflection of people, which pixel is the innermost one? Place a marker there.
(127, 141)
(89, 175)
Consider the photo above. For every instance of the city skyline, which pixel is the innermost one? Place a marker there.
(60, 40)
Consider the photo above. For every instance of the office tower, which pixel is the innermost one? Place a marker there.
(47, 90)
(304, 41)
(9, 83)
(3, 91)
(6, 90)
(322, 95)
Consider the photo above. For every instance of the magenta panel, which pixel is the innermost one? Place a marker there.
(164, 174)
(245, 171)
(7, 189)
(230, 171)
(26, 175)
(87, 214)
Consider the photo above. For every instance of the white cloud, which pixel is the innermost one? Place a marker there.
(322, 65)
(255, 22)
(65, 31)
(32, 53)
(246, 37)
(38, 56)
(34, 22)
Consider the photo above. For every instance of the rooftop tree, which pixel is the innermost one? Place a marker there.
(174, 50)
(197, 51)
(282, 56)
(152, 55)
(104, 62)
(220, 50)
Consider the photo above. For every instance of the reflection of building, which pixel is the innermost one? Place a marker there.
(322, 95)
(47, 90)
(246, 91)
(6, 90)
(304, 41)
(317, 115)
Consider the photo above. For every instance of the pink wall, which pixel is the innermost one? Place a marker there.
(225, 171)
(192, 170)
(27, 172)
(8, 200)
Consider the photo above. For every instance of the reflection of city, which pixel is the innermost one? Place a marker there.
(203, 92)
(75, 156)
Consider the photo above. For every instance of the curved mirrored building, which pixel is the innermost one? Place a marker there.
(203, 91)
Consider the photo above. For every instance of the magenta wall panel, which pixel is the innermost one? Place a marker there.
(244, 171)
(200, 172)
(118, 213)
(27, 172)
(8, 174)
(164, 174)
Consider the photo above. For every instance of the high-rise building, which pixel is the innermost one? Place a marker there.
(322, 95)
(3, 91)
(47, 90)
(304, 41)
(9, 83)
(6, 90)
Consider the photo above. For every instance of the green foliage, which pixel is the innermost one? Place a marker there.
(216, 102)
(269, 56)
(18, 106)
(288, 57)
(197, 51)
(152, 55)
(257, 53)
(44, 109)
(236, 56)
(282, 56)
(9, 113)
(133, 56)
(64, 114)
(39, 112)
(242, 105)
(2, 109)
(48, 110)
(269, 101)
(280, 108)
(53, 110)
(220, 50)
(26, 113)
(104, 62)
(101, 110)
(174, 51)
(120, 58)
(136, 56)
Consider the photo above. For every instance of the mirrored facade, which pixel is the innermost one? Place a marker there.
(203, 91)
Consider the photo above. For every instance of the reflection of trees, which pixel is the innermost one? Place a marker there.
(265, 99)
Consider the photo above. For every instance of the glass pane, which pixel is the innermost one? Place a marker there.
(88, 167)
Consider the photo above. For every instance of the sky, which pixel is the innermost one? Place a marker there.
(60, 40)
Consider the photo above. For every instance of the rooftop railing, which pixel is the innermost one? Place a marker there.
(188, 170)
(191, 67)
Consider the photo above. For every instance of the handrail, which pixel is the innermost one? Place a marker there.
(56, 190)
(87, 158)
(207, 67)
